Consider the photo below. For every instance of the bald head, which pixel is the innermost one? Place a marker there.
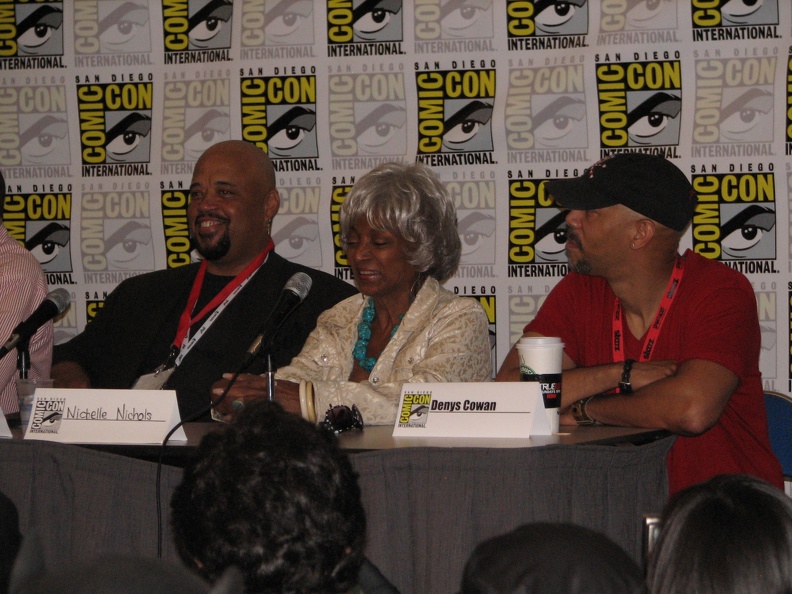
(247, 154)
(232, 201)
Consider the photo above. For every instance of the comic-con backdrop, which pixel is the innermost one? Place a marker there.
(105, 106)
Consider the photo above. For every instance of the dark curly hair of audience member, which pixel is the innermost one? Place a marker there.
(729, 535)
(275, 496)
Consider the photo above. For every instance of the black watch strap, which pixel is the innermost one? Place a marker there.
(625, 387)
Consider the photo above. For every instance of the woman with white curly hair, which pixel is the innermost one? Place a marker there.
(399, 231)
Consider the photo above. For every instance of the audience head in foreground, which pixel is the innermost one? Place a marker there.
(274, 496)
(729, 535)
(547, 558)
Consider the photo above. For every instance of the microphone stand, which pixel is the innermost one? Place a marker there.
(270, 379)
(23, 358)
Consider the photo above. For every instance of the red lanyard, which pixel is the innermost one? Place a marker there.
(654, 329)
(187, 319)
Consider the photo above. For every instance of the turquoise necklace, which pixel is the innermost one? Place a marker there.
(364, 335)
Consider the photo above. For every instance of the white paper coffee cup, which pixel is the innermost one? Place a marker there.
(541, 359)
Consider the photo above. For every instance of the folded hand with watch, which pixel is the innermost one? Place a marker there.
(625, 387)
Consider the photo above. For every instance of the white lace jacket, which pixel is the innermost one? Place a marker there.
(442, 338)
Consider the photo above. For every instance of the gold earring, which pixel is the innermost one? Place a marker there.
(269, 227)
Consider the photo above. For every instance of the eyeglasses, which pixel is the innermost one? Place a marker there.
(341, 418)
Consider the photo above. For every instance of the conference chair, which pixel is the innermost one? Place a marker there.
(779, 423)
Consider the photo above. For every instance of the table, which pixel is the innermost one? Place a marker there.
(427, 506)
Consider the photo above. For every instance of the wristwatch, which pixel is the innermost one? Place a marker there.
(579, 412)
(625, 387)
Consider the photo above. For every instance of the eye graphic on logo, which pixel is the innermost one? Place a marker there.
(289, 23)
(556, 123)
(119, 31)
(462, 127)
(35, 33)
(126, 136)
(298, 241)
(45, 141)
(551, 239)
(128, 248)
(419, 411)
(376, 131)
(211, 127)
(209, 27)
(374, 20)
(51, 419)
(46, 245)
(748, 118)
(747, 234)
(554, 17)
(651, 14)
(289, 130)
(466, 18)
(474, 231)
(647, 122)
(746, 12)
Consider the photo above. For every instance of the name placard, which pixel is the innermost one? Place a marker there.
(471, 409)
(104, 416)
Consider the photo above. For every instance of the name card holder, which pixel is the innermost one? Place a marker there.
(104, 416)
(471, 409)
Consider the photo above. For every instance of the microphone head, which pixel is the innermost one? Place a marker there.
(61, 299)
(299, 284)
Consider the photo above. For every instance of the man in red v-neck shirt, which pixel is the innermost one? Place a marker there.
(653, 338)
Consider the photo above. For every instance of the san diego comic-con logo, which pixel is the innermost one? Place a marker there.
(338, 194)
(275, 29)
(766, 308)
(455, 114)
(415, 409)
(115, 126)
(367, 119)
(279, 116)
(546, 24)
(450, 26)
(295, 230)
(115, 234)
(112, 33)
(717, 20)
(644, 22)
(41, 221)
(475, 206)
(94, 301)
(47, 415)
(364, 28)
(195, 115)
(788, 135)
(639, 103)
(537, 230)
(487, 299)
(197, 31)
(34, 136)
(734, 106)
(735, 218)
(31, 35)
(524, 302)
(545, 115)
(174, 200)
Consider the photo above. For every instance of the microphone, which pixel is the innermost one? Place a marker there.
(54, 303)
(292, 295)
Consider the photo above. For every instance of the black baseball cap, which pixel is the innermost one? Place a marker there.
(648, 184)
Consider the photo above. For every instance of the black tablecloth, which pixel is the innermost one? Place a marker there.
(427, 507)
